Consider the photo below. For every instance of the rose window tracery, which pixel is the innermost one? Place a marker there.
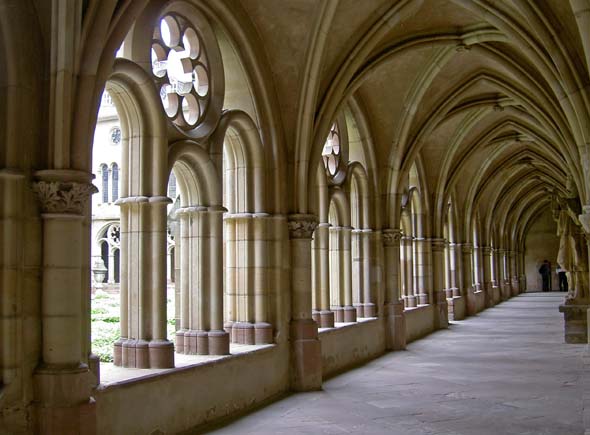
(180, 65)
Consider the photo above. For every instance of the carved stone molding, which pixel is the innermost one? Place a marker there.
(63, 197)
(467, 248)
(437, 244)
(486, 250)
(301, 226)
(392, 237)
(585, 219)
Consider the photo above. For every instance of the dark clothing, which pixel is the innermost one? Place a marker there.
(562, 282)
(545, 272)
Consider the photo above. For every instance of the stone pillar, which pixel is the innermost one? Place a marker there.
(336, 274)
(63, 380)
(143, 342)
(514, 281)
(454, 271)
(263, 332)
(438, 274)
(423, 271)
(218, 338)
(497, 282)
(477, 284)
(394, 307)
(306, 356)
(322, 243)
(408, 296)
(486, 252)
(368, 238)
(504, 280)
(358, 279)
(346, 262)
(467, 252)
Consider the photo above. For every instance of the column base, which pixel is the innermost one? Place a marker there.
(326, 319)
(142, 354)
(316, 316)
(161, 354)
(575, 323)
(306, 356)
(263, 333)
(349, 314)
(506, 291)
(395, 326)
(218, 343)
(179, 340)
(94, 366)
(410, 301)
(370, 310)
(63, 400)
(202, 342)
(515, 287)
(496, 295)
(360, 310)
(338, 314)
(243, 333)
(423, 299)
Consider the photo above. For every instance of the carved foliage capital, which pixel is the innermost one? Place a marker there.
(63, 197)
(301, 226)
(467, 248)
(391, 237)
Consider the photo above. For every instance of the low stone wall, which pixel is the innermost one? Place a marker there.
(183, 398)
(350, 345)
(419, 322)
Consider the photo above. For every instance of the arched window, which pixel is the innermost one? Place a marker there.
(172, 186)
(115, 181)
(104, 173)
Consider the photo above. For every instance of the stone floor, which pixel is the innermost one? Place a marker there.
(505, 371)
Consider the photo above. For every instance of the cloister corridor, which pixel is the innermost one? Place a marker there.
(504, 371)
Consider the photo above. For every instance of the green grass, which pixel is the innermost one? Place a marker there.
(105, 318)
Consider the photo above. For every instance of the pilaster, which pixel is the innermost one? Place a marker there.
(438, 275)
(306, 356)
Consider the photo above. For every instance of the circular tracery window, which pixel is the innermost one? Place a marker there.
(180, 65)
(332, 152)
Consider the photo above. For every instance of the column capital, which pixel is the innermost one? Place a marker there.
(486, 250)
(63, 197)
(392, 237)
(585, 219)
(188, 211)
(301, 226)
(437, 244)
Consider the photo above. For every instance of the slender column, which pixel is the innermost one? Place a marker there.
(306, 358)
(394, 307)
(514, 284)
(447, 273)
(230, 274)
(467, 251)
(63, 380)
(370, 308)
(323, 241)
(438, 277)
(263, 332)
(423, 271)
(336, 274)
(409, 296)
(504, 281)
(218, 338)
(454, 272)
(161, 350)
(486, 252)
(358, 294)
(346, 261)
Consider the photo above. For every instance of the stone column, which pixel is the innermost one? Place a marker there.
(467, 252)
(263, 332)
(63, 380)
(497, 280)
(218, 338)
(306, 356)
(394, 307)
(369, 308)
(346, 262)
(409, 297)
(358, 279)
(486, 252)
(423, 271)
(514, 285)
(322, 242)
(438, 275)
(143, 342)
(504, 281)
